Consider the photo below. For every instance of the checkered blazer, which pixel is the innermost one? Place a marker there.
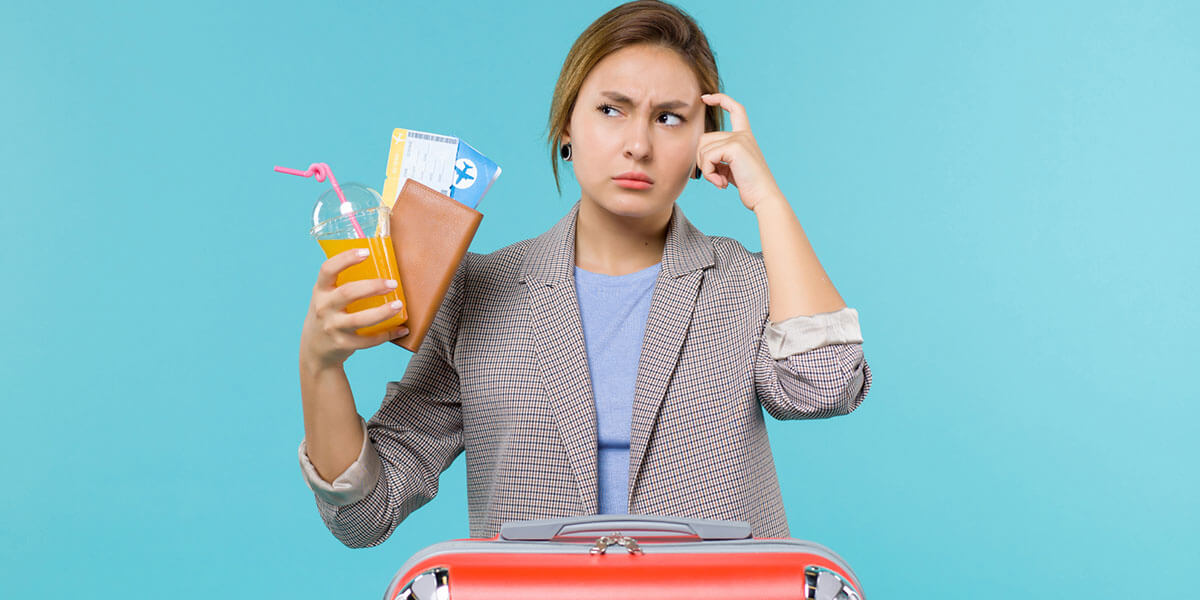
(502, 375)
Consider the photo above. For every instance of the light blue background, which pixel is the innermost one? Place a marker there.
(1007, 192)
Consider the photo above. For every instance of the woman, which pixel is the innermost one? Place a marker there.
(617, 363)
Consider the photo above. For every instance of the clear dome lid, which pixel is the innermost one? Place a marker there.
(363, 206)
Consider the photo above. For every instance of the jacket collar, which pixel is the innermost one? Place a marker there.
(551, 256)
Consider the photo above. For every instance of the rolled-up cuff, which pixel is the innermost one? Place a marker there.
(804, 333)
(354, 484)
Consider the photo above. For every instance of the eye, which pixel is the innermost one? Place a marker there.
(678, 120)
(606, 107)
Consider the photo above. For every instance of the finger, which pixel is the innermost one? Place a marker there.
(362, 342)
(371, 316)
(357, 290)
(717, 179)
(720, 146)
(392, 334)
(714, 176)
(712, 162)
(725, 174)
(327, 276)
(707, 141)
(710, 137)
(386, 336)
(738, 120)
(711, 140)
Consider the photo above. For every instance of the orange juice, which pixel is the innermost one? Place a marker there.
(379, 265)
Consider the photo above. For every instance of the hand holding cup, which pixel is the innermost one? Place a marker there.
(329, 336)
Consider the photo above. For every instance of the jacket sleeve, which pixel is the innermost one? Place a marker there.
(411, 440)
(812, 367)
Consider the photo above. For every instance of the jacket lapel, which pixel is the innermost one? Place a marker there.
(687, 253)
(548, 273)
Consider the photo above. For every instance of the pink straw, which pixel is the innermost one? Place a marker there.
(321, 171)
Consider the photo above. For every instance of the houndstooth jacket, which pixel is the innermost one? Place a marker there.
(502, 375)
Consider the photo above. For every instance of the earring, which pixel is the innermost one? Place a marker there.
(565, 151)
(697, 173)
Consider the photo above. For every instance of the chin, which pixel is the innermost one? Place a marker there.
(633, 204)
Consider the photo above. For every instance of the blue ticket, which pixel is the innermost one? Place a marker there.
(474, 175)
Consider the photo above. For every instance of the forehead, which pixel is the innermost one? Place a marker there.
(644, 73)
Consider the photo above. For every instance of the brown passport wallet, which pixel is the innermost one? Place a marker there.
(430, 234)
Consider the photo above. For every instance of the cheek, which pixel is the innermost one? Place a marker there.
(683, 155)
(594, 149)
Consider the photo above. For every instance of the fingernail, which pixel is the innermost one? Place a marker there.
(396, 305)
(392, 283)
(363, 252)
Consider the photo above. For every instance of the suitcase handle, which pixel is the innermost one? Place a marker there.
(641, 527)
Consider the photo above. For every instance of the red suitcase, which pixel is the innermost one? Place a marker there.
(624, 556)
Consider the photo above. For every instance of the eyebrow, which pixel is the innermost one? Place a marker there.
(623, 99)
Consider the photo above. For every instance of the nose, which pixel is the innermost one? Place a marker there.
(637, 140)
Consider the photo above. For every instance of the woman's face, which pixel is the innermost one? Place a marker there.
(639, 112)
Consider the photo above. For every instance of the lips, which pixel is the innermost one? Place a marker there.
(633, 180)
(634, 176)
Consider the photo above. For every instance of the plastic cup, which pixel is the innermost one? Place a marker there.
(334, 229)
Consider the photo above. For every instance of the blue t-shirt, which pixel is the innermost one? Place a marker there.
(614, 309)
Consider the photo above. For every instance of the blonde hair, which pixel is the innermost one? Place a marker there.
(639, 22)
